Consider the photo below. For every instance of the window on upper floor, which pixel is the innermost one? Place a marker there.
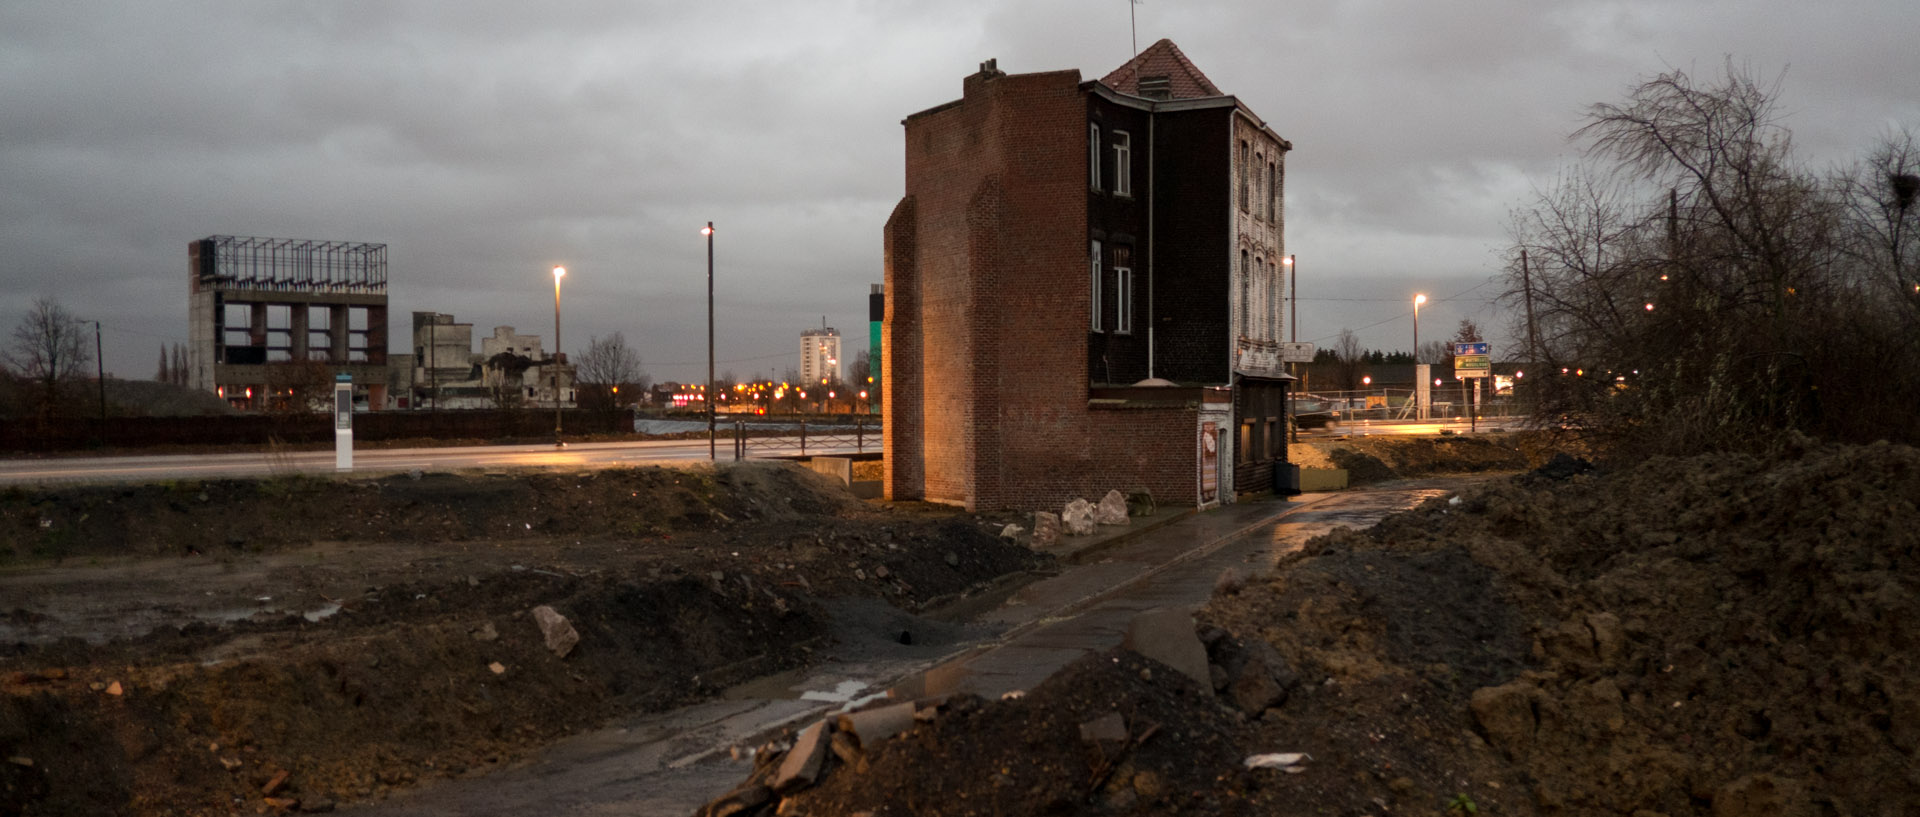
(1247, 296)
(1093, 157)
(1122, 163)
(1123, 290)
(1093, 283)
(1258, 178)
(1245, 154)
(1273, 191)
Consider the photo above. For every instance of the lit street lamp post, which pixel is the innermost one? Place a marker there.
(708, 232)
(1420, 383)
(1417, 301)
(558, 273)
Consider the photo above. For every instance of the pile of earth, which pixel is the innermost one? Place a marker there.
(1377, 458)
(231, 646)
(1724, 635)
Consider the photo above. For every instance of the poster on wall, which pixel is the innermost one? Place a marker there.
(1209, 462)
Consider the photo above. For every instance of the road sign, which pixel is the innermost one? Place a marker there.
(1296, 353)
(1472, 359)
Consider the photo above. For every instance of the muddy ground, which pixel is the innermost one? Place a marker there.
(301, 643)
(1727, 636)
(1724, 636)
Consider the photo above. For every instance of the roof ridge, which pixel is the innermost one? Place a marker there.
(1163, 57)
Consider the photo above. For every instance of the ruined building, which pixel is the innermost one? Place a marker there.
(1083, 286)
(265, 315)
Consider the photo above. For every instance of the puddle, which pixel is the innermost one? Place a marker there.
(842, 692)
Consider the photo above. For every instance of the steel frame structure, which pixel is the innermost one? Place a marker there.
(294, 265)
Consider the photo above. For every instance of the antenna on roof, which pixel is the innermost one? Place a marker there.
(1134, 26)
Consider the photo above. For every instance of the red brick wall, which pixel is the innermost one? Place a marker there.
(985, 347)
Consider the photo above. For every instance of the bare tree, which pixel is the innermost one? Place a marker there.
(50, 350)
(1696, 285)
(609, 372)
(299, 387)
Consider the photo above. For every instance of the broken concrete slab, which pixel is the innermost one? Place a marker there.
(1165, 634)
(871, 726)
(802, 764)
(558, 632)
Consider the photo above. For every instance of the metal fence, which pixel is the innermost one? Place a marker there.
(1448, 402)
(801, 439)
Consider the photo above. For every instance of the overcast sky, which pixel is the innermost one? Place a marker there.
(484, 142)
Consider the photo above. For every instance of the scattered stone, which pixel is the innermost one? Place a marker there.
(1012, 532)
(881, 572)
(802, 764)
(1077, 519)
(1112, 510)
(1165, 634)
(953, 559)
(859, 574)
(114, 689)
(486, 632)
(1257, 676)
(19, 760)
(745, 799)
(559, 634)
(1506, 714)
(1108, 727)
(231, 763)
(498, 668)
(281, 803)
(1046, 529)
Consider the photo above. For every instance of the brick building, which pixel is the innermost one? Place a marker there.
(1082, 287)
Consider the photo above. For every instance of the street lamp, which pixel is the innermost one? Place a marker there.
(558, 273)
(1417, 301)
(1293, 279)
(708, 232)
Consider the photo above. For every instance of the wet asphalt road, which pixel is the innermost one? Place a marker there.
(672, 763)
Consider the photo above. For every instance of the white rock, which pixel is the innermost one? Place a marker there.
(1112, 510)
(1077, 519)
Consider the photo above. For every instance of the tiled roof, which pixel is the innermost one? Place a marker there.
(1162, 59)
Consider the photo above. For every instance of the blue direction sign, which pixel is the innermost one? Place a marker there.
(1472, 359)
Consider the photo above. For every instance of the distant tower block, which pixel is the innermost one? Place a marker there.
(819, 356)
(258, 306)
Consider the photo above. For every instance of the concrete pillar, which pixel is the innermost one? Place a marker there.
(337, 332)
(299, 330)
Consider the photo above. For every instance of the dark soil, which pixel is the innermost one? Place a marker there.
(172, 649)
(1725, 635)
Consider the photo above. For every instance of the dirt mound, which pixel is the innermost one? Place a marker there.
(1167, 754)
(1716, 635)
(1378, 458)
(194, 516)
(187, 683)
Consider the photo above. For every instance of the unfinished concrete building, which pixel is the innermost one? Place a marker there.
(265, 315)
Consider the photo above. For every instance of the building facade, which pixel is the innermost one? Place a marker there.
(820, 356)
(261, 312)
(1082, 291)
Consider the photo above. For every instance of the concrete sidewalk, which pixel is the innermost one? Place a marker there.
(1211, 525)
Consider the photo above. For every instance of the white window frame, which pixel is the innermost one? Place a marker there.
(1122, 163)
(1093, 277)
(1123, 300)
(1093, 156)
